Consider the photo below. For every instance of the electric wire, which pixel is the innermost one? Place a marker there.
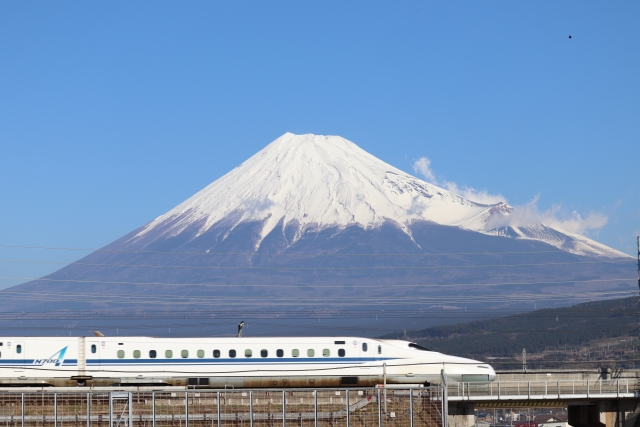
(257, 301)
(263, 285)
(281, 254)
(234, 267)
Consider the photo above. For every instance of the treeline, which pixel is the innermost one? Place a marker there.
(536, 331)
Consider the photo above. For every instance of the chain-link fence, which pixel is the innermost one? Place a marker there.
(420, 407)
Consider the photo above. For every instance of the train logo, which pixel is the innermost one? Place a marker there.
(55, 360)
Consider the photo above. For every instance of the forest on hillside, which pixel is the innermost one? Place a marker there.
(594, 334)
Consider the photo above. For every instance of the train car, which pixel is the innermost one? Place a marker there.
(227, 362)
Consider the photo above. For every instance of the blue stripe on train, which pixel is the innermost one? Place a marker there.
(196, 362)
(251, 361)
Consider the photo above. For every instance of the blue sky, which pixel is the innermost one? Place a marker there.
(111, 113)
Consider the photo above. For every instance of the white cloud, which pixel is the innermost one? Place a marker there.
(423, 167)
(527, 214)
(478, 196)
(555, 217)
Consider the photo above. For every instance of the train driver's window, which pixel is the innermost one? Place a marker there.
(93, 349)
(232, 353)
(18, 349)
(364, 346)
(136, 354)
(200, 354)
(248, 353)
(168, 354)
(264, 353)
(216, 353)
(152, 354)
(326, 352)
(295, 352)
(311, 352)
(280, 352)
(184, 354)
(341, 352)
(379, 349)
(120, 354)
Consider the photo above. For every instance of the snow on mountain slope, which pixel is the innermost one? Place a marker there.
(315, 182)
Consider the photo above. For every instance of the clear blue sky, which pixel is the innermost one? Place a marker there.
(111, 113)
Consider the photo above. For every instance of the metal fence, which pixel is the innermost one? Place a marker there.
(419, 407)
(544, 389)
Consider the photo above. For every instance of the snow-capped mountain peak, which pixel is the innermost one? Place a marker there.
(312, 182)
(318, 181)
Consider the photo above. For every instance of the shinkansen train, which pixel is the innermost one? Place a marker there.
(227, 362)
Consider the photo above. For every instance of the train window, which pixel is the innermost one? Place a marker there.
(216, 353)
(311, 352)
(18, 349)
(120, 354)
(364, 346)
(341, 352)
(168, 354)
(232, 353)
(264, 353)
(295, 352)
(136, 354)
(93, 349)
(200, 354)
(248, 353)
(184, 354)
(280, 352)
(379, 349)
(418, 347)
(326, 352)
(152, 354)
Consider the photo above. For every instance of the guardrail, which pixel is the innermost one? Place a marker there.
(524, 390)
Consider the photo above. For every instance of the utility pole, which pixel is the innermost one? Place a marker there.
(524, 360)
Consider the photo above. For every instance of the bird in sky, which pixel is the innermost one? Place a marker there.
(570, 36)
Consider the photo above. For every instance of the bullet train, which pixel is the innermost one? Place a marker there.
(227, 362)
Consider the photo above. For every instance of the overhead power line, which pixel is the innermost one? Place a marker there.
(251, 254)
(304, 285)
(337, 301)
(234, 267)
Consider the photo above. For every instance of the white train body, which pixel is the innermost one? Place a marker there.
(227, 362)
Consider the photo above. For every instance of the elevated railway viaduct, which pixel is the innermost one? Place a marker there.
(594, 398)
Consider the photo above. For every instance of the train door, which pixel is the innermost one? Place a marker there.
(17, 354)
(93, 354)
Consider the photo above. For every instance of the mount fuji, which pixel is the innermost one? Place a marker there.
(307, 183)
(316, 226)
